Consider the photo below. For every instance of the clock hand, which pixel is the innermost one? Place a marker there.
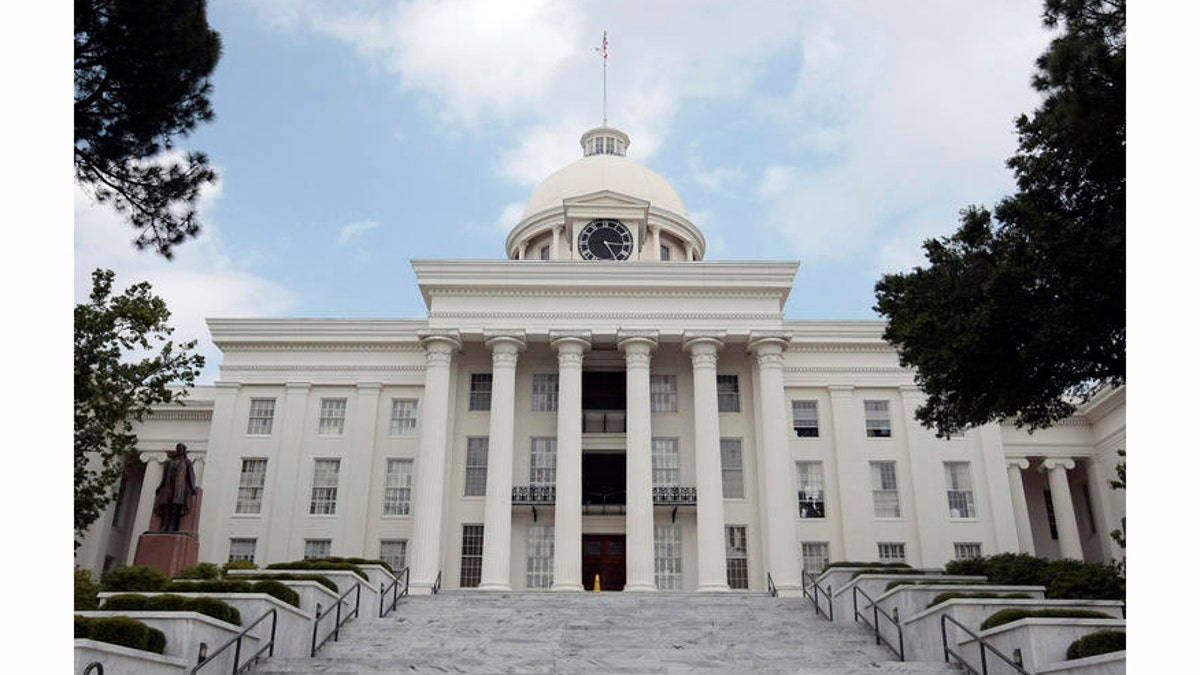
(611, 251)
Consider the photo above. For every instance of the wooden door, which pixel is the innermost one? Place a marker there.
(604, 554)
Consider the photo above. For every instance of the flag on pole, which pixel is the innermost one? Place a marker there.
(602, 50)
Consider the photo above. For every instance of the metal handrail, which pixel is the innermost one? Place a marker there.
(437, 583)
(236, 643)
(338, 620)
(771, 586)
(396, 591)
(94, 666)
(879, 636)
(817, 591)
(984, 648)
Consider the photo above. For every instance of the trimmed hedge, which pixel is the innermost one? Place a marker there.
(317, 564)
(86, 590)
(133, 578)
(217, 609)
(270, 587)
(1009, 615)
(1063, 579)
(950, 595)
(852, 563)
(201, 571)
(1094, 644)
(356, 561)
(239, 565)
(120, 630)
(324, 581)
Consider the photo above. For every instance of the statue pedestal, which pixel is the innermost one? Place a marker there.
(169, 552)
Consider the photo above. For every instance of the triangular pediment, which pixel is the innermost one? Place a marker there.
(606, 198)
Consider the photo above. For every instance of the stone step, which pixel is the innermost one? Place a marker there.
(469, 632)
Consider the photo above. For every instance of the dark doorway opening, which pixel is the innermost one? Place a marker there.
(604, 555)
(603, 390)
(604, 482)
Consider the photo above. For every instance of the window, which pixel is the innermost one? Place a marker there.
(542, 453)
(539, 557)
(737, 572)
(664, 252)
(668, 558)
(731, 469)
(884, 493)
(727, 394)
(879, 422)
(394, 552)
(545, 393)
(1050, 515)
(664, 460)
(962, 551)
(958, 490)
(242, 549)
(812, 489)
(814, 556)
(481, 391)
(397, 490)
(317, 548)
(804, 419)
(664, 398)
(250, 486)
(333, 417)
(324, 487)
(404, 417)
(262, 416)
(475, 484)
(891, 552)
(471, 567)
(544, 253)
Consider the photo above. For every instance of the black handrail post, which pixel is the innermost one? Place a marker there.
(945, 644)
(237, 653)
(337, 620)
(982, 655)
(875, 611)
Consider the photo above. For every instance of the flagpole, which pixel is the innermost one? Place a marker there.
(602, 50)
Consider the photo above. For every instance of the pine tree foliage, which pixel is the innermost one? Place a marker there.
(1020, 315)
(124, 365)
(142, 72)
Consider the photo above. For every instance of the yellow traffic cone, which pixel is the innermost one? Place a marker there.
(596, 583)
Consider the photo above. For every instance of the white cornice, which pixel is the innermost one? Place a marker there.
(713, 317)
(316, 334)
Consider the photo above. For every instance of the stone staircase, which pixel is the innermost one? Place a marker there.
(474, 632)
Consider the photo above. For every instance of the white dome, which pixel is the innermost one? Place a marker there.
(604, 172)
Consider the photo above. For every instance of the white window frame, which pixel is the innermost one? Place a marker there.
(332, 419)
(545, 392)
(470, 566)
(814, 556)
(404, 417)
(964, 550)
(668, 557)
(480, 392)
(475, 468)
(664, 394)
(323, 501)
(543, 461)
(885, 490)
(810, 489)
(261, 419)
(539, 556)
(251, 484)
(318, 548)
(733, 484)
(737, 567)
(394, 552)
(892, 552)
(878, 418)
(664, 462)
(728, 394)
(960, 494)
(802, 422)
(242, 548)
(664, 252)
(397, 487)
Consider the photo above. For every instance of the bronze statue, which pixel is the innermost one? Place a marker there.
(172, 499)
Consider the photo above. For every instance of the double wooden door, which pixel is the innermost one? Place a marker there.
(604, 554)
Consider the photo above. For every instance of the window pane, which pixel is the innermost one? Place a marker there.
(668, 557)
(242, 549)
(542, 460)
(324, 489)
(481, 391)
(891, 552)
(879, 421)
(731, 469)
(394, 552)
(959, 493)
(727, 393)
(884, 493)
(963, 551)
(539, 557)
(475, 484)
(545, 393)
(737, 570)
(333, 417)
(317, 548)
(804, 418)
(663, 394)
(664, 458)
(397, 491)
(250, 486)
(471, 568)
(814, 556)
(811, 492)
(262, 416)
(404, 417)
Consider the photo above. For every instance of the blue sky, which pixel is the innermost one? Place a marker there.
(351, 137)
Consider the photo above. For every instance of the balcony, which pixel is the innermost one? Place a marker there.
(533, 495)
(603, 421)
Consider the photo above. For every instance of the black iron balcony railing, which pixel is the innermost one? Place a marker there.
(533, 494)
(674, 495)
(603, 421)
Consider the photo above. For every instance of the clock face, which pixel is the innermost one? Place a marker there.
(605, 240)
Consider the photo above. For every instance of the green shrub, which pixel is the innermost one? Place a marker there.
(236, 585)
(201, 571)
(1078, 580)
(133, 578)
(1014, 569)
(278, 589)
(324, 581)
(121, 630)
(239, 565)
(355, 561)
(213, 607)
(1009, 615)
(315, 564)
(85, 590)
(1093, 644)
(852, 563)
(967, 566)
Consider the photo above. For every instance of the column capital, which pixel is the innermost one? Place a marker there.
(159, 457)
(1051, 463)
(703, 342)
(635, 343)
(1020, 463)
(653, 227)
(440, 341)
(768, 342)
(561, 338)
(504, 344)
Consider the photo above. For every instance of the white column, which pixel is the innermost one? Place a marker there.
(497, 517)
(555, 241)
(155, 461)
(783, 554)
(278, 544)
(568, 493)
(656, 243)
(220, 496)
(1056, 469)
(850, 492)
(710, 499)
(1097, 484)
(1016, 486)
(358, 466)
(431, 466)
(639, 485)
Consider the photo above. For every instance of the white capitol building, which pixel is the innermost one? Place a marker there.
(604, 404)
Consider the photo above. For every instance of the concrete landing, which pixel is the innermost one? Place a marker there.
(479, 632)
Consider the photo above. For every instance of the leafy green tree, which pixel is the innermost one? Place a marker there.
(142, 79)
(124, 365)
(1021, 316)
(1119, 484)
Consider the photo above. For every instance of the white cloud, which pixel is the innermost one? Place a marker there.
(510, 215)
(719, 180)
(353, 230)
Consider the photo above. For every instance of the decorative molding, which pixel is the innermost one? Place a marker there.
(322, 369)
(181, 415)
(848, 370)
(840, 348)
(241, 347)
(606, 316)
(1051, 463)
(602, 292)
(704, 360)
